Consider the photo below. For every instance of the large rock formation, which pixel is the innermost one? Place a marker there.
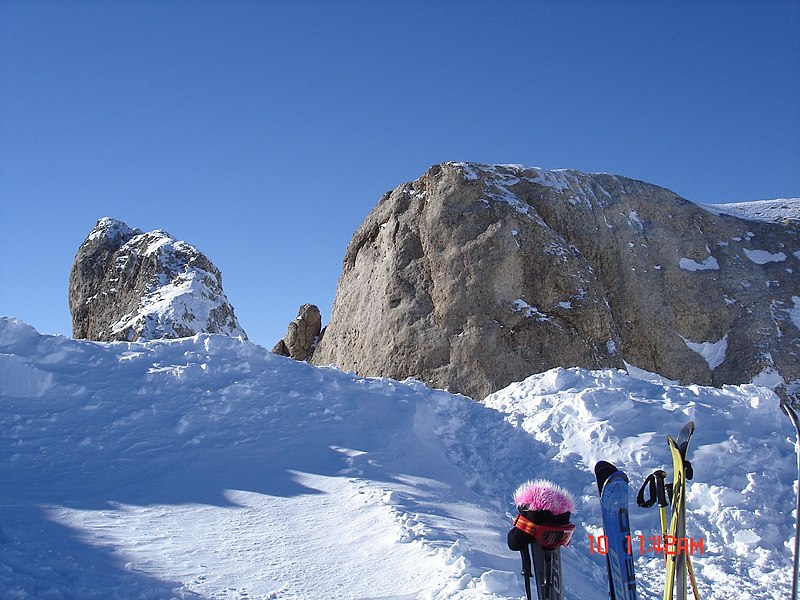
(476, 276)
(302, 334)
(129, 285)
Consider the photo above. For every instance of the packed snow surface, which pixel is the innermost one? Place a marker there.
(209, 468)
(782, 210)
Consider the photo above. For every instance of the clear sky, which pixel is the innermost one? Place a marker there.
(264, 132)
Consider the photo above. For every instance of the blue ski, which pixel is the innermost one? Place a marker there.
(613, 487)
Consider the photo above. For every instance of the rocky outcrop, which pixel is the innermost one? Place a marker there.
(302, 335)
(129, 285)
(476, 276)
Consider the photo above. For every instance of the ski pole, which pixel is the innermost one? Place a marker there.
(655, 485)
(527, 570)
(787, 408)
(691, 577)
(661, 497)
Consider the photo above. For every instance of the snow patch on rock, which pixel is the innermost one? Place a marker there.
(707, 264)
(762, 257)
(712, 352)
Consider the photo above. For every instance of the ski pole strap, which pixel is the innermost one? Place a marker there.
(525, 525)
(655, 486)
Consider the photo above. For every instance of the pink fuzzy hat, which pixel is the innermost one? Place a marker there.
(543, 495)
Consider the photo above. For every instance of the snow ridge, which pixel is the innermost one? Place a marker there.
(781, 210)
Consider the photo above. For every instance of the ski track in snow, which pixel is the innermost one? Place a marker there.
(209, 468)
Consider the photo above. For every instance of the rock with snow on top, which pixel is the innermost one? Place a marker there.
(475, 276)
(126, 284)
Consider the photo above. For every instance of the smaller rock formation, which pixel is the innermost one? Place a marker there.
(129, 285)
(302, 335)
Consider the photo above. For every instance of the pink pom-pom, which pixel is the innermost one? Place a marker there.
(543, 495)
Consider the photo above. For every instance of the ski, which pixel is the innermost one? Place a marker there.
(540, 529)
(790, 412)
(678, 564)
(613, 487)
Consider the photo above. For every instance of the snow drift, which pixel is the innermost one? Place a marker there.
(208, 467)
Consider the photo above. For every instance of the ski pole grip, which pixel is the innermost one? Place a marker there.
(661, 489)
(527, 567)
(649, 485)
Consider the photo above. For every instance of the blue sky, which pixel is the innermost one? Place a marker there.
(264, 132)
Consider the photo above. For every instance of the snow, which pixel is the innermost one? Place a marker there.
(111, 228)
(708, 264)
(184, 301)
(519, 305)
(768, 211)
(469, 172)
(739, 462)
(762, 257)
(501, 193)
(499, 178)
(794, 312)
(644, 375)
(207, 467)
(769, 377)
(712, 352)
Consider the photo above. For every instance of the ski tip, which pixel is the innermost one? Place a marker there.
(541, 494)
(603, 470)
(686, 432)
(603, 465)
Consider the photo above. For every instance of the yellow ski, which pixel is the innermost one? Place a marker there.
(677, 558)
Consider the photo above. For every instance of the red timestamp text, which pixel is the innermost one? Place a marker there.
(669, 545)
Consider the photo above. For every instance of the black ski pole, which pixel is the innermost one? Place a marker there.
(792, 414)
(527, 570)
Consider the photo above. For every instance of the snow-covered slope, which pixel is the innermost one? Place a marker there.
(782, 210)
(207, 467)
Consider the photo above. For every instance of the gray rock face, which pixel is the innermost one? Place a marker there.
(474, 276)
(302, 335)
(129, 285)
